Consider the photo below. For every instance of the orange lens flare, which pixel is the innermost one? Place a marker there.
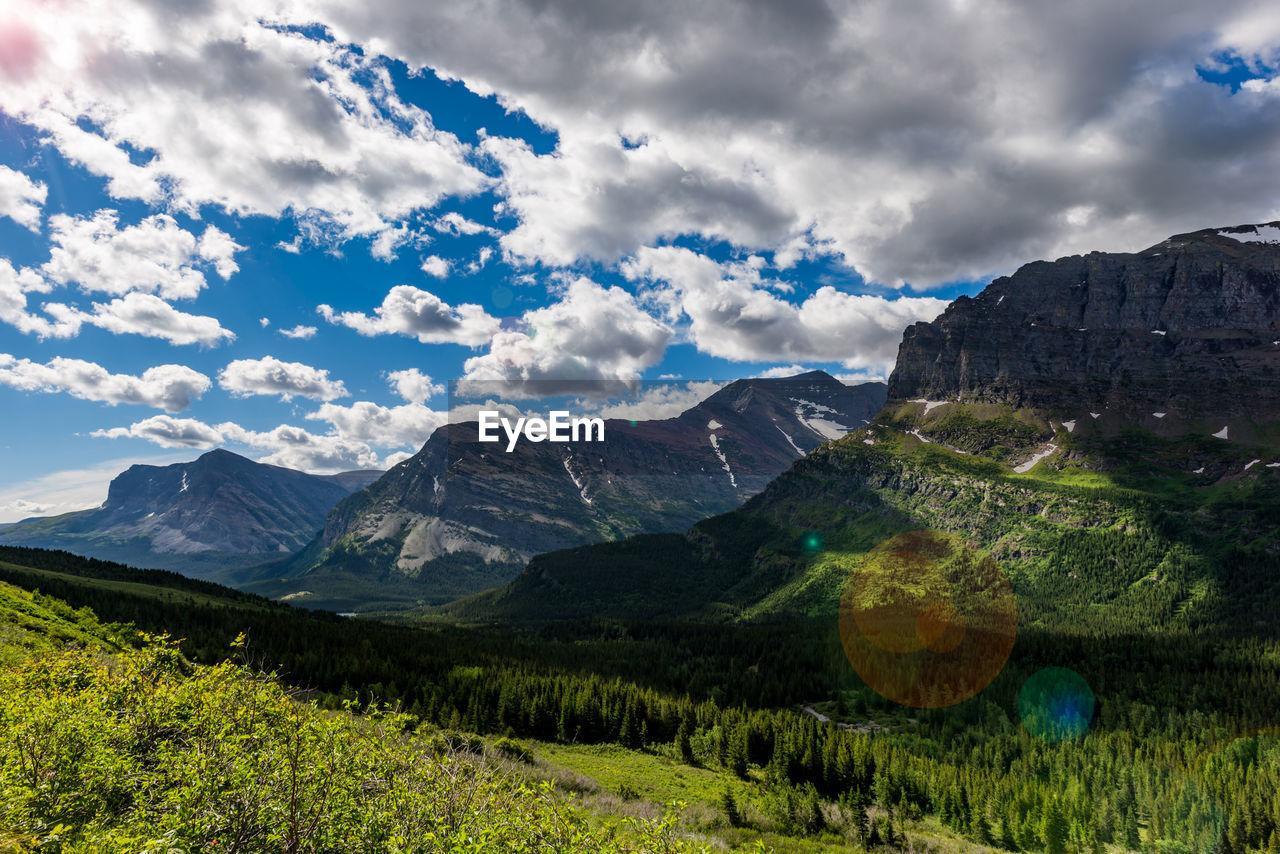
(927, 620)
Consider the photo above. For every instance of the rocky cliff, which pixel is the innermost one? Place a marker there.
(1185, 334)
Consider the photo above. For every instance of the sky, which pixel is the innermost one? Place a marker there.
(285, 227)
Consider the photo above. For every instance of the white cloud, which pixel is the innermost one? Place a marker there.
(270, 376)
(410, 424)
(413, 385)
(167, 387)
(434, 265)
(486, 252)
(393, 460)
(15, 285)
(456, 224)
(921, 143)
(733, 315)
(783, 371)
(154, 256)
(152, 317)
(299, 332)
(221, 106)
(292, 447)
(21, 199)
(166, 432)
(660, 400)
(264, 322)
(411, 311)
(591, 334)
(296, 448)
(217, 247)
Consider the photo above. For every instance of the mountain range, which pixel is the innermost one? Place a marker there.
(1102, 425)
(462, 516)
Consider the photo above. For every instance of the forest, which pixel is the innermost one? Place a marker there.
(1173, 748)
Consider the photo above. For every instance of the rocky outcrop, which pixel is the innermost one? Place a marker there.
(1189, 328)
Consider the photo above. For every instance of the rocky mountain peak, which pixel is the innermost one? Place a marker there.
(1189, 328)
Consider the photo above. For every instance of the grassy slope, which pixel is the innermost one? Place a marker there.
(32, 622)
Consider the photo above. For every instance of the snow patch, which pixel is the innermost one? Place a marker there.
(1159, 414)
(1222, 434)
(789, 439)
(185, 484)
(1158, 332)
(868, 441)
(917, 434)
(930, 404)
(1261, 234)
(1199, 470)
(1095, 414)
(582, 489)
(1273, 465)
(714, 424)
(715, 446)
(1070, 425)
(1000, 300)
(435, 485)
(1029, 464)
(1251, 464)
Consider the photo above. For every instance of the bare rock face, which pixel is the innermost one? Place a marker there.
(462, 515)
(1189, 328)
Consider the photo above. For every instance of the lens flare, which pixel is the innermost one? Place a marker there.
(1056, 704)
(927, 620)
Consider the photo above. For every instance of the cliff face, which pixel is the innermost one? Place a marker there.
(1189, 327)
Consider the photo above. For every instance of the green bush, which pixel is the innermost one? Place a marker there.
(143, 751)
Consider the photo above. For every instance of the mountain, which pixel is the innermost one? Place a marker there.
(203, 517)
(462, 515)
(1103, 426)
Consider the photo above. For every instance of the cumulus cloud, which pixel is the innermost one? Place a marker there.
(270, 376)
(456, 224)
(292, 447)
(15, 285)
(413, 385)
(296, 448)
(299, 332)
(223, 106)
(166, 432)
(383, 426)
(21, 199)
(167, 387)
(152, 317)
(919, 153)
(155, 256)
(420, 314)
(434, 265)
(592, 333)
(732, 313)
(657, 400)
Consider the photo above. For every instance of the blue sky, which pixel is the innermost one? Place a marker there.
(537, 191)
